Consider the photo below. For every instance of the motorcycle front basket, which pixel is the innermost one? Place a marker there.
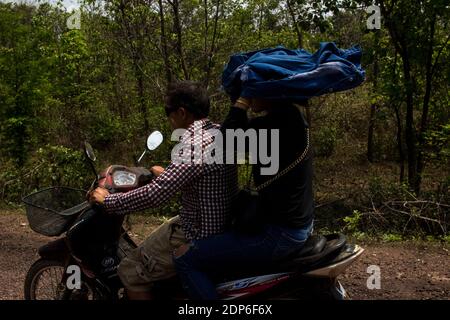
(51, 211)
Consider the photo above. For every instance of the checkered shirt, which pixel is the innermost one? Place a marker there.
(207, 190)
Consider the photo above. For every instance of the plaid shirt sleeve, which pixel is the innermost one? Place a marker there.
(161, 189)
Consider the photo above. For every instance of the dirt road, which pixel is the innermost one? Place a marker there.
(408, 271)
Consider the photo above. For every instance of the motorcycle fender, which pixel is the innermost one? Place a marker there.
(335, 269)
(56, 249)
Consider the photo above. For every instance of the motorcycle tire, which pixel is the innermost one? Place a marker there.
(61, 292)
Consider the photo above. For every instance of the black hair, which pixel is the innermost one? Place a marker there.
(190, 95)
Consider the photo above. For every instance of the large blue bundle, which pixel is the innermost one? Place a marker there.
(296, 75)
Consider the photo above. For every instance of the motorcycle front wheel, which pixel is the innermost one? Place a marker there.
(44, 281)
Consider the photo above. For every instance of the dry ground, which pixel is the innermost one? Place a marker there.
(408, 270)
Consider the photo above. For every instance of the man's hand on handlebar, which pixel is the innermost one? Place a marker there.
(98, 195)
(157, 170)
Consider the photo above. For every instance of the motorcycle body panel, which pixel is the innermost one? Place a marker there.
(118, 178)
(94, 240)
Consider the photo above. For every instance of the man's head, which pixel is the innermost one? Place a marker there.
(186, 101)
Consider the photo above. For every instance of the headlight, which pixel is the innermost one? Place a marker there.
(124, 178)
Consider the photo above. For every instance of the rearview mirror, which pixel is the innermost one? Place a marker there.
(154, 140)
(90, 154)
(89, 151)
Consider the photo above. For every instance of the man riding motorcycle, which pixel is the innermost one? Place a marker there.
(207, 191)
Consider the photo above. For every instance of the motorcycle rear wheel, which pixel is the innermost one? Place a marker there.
(44, 282)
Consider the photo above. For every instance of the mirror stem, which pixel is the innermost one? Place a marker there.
(95, 171)
(142, 155)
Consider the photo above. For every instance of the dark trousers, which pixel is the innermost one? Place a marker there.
(231, 251)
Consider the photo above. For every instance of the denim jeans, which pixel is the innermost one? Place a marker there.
(233, 251)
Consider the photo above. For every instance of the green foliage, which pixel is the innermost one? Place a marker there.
(49, 166)
(352, 222)
(105, 83)
(59, 165)
(325, 141)
(391, 237)
(446, 239)
(391, 207)
(104, 127)
(438, 143)
(380, 190)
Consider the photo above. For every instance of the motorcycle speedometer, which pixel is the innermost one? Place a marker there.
(124, 178)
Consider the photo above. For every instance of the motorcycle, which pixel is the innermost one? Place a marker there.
(82, 264)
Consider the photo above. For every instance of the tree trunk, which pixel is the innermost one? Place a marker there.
(178, 30)
(401, 153)
(410, 133)
(409, 125)
(298, 31)
(212, 50)
(398, 118)
(373, 107)
(296, 26)
(136, 57)
(164, 43)
(141, 96)
(373, 110)
(425, 107)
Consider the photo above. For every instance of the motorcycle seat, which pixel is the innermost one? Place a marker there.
(316, 251)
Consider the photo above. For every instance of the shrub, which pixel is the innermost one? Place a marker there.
(325, 141)
(392, 208)
(49, 166)
(352, 222)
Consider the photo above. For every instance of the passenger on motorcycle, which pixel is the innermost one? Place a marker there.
(286, 206)
(207, 191)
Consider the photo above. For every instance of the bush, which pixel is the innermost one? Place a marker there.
(104, 127)
(392, 208)
(62, 166)
(49, 166)
(380, 191)
(352, 222)
(325, 141)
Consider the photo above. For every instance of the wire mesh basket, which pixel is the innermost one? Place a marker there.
(51, 211)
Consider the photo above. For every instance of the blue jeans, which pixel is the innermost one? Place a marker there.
(233, 251)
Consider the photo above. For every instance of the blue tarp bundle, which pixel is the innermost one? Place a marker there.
(296, 75)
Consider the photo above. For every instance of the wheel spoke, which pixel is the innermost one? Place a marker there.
(47, 285)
